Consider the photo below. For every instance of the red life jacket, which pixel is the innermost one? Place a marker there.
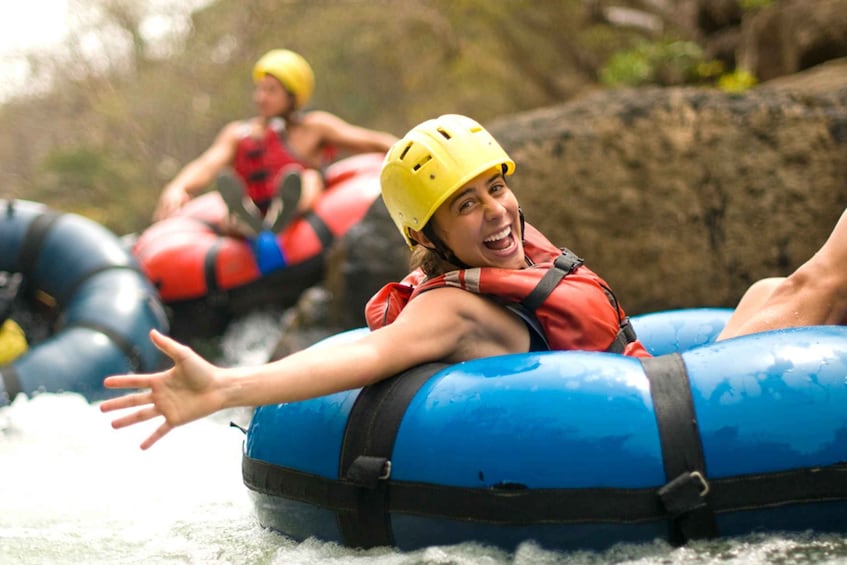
(260, 160)
(558, 296)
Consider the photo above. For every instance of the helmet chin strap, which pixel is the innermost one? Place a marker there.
(442, 250)
(447, 254)
(523, 223)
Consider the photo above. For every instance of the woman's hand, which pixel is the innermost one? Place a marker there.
(186, 392)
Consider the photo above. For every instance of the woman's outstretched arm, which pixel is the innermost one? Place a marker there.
(444, 324)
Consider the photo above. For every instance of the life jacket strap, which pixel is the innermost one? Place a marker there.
(537, 337)
(564, 265)
(626, 335)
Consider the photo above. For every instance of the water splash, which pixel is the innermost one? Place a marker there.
(73, 490)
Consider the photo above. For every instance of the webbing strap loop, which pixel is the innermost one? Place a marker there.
(320, 227)
(367, 471)
(685, 495)
(365, 458)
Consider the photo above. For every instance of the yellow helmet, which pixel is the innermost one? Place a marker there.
(432, 161)
(291, 70)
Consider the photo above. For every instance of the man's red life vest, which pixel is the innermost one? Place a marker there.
(575, 308)
(260, 161)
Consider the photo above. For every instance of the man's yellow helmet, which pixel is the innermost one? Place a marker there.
(431, 162)
(291, 70)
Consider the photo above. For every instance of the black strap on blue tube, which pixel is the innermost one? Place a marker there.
(685, 497)
(365, 459)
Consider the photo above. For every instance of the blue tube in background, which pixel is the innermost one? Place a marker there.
(100, 293)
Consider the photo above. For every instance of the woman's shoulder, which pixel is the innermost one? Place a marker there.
(316, 119)
(453, 302)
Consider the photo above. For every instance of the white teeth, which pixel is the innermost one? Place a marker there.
(500, 235)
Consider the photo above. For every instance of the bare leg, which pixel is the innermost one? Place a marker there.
(752, 301)
(814, 294)
(313, 187)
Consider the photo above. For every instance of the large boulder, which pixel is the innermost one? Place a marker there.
(682, 196)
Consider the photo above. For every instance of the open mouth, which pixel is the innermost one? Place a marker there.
(500, 240)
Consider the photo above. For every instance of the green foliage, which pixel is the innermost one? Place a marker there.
(708, 70)
(671, 63)
(660, 62)
(86, 180)
(77, 170)
(627, 68)
(751, 5)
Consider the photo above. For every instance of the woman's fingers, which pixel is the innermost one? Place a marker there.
(156, 436)
(136, 417)
(128, 401)
(162, 383)
(128, 381)
(170, 347)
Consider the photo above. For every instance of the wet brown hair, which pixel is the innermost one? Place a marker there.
(430, 262)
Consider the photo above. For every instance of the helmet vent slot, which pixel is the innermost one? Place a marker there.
(444, 133)
(423, 162)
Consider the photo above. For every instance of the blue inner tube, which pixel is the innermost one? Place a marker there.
(104, 305)
(570, 449)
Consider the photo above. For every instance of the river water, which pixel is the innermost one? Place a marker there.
(72, 490)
